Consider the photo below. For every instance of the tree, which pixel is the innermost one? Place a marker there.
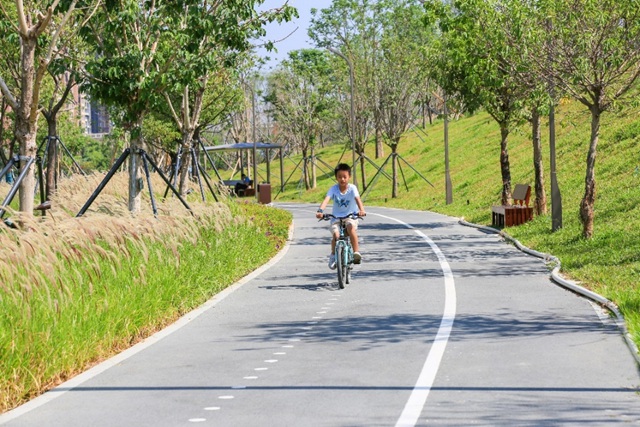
(63, 82)
(299, 91)
(353, 27)
(480, 66)
(41, 27)
(518, 19)
(590, 50)
(199, 64)
(158, 49)
(400, 77)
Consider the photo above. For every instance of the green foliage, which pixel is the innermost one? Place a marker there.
(354, 28)
(593, 49)
(90, 153)
(163, 51)
(474, 57)
(299, 93)
(161, 134)
(401, 67)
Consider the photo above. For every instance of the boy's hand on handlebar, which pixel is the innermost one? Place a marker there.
(362, 213)
(319, 215)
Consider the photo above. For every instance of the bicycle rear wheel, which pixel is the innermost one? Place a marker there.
(348, 262)
(341, 266)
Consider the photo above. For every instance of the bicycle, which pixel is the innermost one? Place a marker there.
(343, 251)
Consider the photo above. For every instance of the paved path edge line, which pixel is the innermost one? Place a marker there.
(147, 342)
(554, 261)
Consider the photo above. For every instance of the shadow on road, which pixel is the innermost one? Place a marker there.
(375, 331)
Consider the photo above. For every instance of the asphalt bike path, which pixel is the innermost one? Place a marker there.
(442, 324)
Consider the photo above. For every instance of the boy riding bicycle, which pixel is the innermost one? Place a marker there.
(346, 200)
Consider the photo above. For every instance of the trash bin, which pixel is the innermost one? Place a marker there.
(264, 193)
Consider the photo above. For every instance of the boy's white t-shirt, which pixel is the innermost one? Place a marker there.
(344, 203)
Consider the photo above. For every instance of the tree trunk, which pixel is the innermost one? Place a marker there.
(3, 114)
(187, 160)
(363, 173)
(504, 164)
(26, 126)
(305, 169)
(184, 166)
(135, 167)
(588, 201)
(540, 204)
(447, 171)
(314, 175)
(394, 169)
(51, 182)
(379, 144)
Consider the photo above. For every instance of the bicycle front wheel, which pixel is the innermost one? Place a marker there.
(341, 266)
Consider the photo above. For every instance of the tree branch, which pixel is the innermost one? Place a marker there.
(7, 94)
(22, 20)
(173, 111)
(70, 83)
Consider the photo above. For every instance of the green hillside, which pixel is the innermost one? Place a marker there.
(609, 263)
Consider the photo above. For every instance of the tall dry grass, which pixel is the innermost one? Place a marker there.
(35, 255)
(76, 290)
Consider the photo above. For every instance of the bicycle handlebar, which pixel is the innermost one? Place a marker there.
(354, 215)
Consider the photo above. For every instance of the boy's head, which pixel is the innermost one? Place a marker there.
(343, 174)
(343, 167)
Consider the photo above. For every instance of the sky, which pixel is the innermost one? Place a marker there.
(299, 39)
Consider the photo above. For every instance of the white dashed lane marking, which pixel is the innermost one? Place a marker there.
(315, 320)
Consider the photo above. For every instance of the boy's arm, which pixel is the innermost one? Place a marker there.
(360, 207)
(323, 205)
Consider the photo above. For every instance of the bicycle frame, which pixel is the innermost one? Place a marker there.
(343, 250)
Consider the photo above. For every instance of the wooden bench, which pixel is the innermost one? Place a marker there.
(516, 214)
(231, 183)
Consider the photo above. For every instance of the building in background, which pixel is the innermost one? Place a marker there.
(92, 117)
(100, 123)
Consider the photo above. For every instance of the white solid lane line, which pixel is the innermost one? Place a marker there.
(418, 398)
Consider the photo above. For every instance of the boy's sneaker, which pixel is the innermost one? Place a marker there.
(332, 261)
(357, 258)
